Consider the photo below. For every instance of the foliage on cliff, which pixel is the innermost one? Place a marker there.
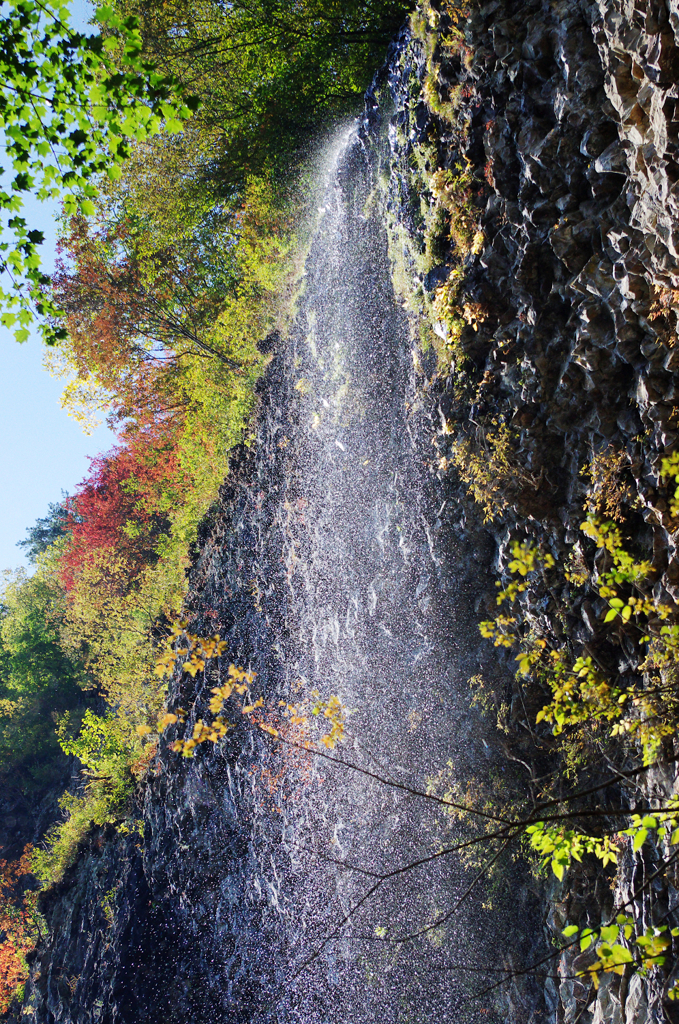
(19, 925)
(572, 466)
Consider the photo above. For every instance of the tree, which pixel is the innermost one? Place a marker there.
(33, 660)
(19, 924)
(122, 508)
(38, 679)
(46, 531)
(71, 104)
(134, 318)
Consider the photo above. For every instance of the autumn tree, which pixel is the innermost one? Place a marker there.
(122, 507)
(19, 923)
(133, 320)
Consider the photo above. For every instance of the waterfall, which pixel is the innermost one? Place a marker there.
(269, 884)
(373, 601)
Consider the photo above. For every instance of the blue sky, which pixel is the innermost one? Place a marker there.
(42, 451)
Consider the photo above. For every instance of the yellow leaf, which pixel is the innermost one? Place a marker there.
(168, 719)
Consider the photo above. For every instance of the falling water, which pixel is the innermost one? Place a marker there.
(374, 603)
(277, 886)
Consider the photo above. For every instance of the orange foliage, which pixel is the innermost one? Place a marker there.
(18, 920)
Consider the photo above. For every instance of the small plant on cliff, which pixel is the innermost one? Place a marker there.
(489, 466)
(670, 471)
(453, 188)
(431, 91)
(610, 495)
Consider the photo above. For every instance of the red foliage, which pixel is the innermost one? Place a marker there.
(123, 505)
(18, 921)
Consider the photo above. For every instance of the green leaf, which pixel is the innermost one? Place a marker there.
(572, 929)
(559, 869)
(640, 838)
(609, 933)
(610, 615)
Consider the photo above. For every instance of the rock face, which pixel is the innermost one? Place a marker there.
(565, 114)
(343, 557)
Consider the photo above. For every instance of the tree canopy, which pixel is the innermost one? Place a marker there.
(46, 530)
(272, 76)
(70, 106)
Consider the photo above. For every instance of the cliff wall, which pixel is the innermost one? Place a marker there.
(566, 114)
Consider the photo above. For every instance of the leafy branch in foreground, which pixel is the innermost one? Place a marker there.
(69, 108)
(583, 694)
(197, 652)
(613, 956)
(592, 705)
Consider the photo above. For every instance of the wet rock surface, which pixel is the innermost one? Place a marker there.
(268, 882)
